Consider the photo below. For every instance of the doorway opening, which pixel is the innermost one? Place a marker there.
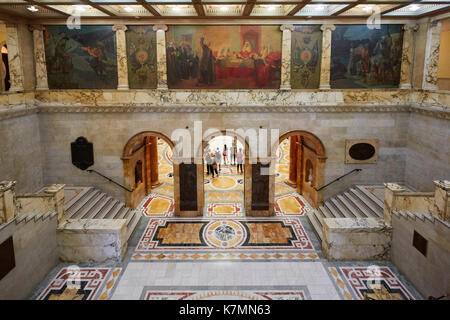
(148, 171)
(224, 165)
(299, 173)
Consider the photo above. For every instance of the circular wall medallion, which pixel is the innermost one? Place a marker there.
(224, 234)
(361, 151)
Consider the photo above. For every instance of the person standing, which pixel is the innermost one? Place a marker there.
(218, 157)
(208, 163)
(233, 153)
(240, 160)
(214, 165)
(225, 154)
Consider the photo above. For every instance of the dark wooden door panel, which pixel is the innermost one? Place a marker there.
(260, 187)
(188, 187)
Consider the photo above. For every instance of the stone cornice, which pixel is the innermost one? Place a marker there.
(17, 111)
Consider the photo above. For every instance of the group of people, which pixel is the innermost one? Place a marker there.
(229, 156)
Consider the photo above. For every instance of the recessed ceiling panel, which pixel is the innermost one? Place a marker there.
(368, 9)
(320, 9)
(272, 9)
(416, 9)
(22, 10)
(127, 10)
(175, 10)
(81, 10)
(224, 10)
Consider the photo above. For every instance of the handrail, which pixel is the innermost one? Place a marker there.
(337, 179)
(109, 179)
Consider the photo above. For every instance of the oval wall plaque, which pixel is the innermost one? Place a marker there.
(362, 151)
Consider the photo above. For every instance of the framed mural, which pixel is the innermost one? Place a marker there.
(81, 58)
(366, 58)
(306, 52)
(224, 57)
(141, 56)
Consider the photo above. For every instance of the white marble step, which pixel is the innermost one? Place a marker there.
(375, 210)
(133, 222)
(371, 197)
(84, 210)
(350, 207)
(72, 212)
(106, 208)
(97, 207)
(114, 211)
(338, 203)
(315, 222)
(79, 197)
(365, 210)
(333, 210)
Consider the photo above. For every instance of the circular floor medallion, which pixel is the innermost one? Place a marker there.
(224, 234)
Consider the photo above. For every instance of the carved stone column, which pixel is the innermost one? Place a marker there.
(432, 56)
(14, 58)
(441, 208)
(285, 83)
(154, 173)
(390, 192)
(292, 181)
(122, 68)
(161, 61)
(326, 56)
(39, 57)
(407, 55)
(57, 191)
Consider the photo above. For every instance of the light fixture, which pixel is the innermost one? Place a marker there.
(128, 9)
(320, 7)
(80, 8)
(175, 8)
(33, 9)
(223, 8)
(271, 8)
(367, 8)
(414, 7)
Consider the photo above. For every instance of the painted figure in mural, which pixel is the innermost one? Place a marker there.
(366, 58)
(62, 60)
(195, 59)
(98, 61)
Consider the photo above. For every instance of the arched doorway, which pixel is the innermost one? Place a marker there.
(147, 165)
(301, 164)
(224, 183)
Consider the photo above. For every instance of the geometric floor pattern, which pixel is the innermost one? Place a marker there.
(225, 255)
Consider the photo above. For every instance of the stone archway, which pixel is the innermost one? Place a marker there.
(306, 164)
(140, 165)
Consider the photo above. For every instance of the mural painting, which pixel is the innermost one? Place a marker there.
(305, 57)
(366, 58)
(223, 57)
(141, 56)
(81, 58)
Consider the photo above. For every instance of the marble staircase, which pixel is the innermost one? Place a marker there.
(355, 202)
(91, 203)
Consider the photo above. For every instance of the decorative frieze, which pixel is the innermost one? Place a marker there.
(161, 55)
(326, 55)
(122, 67)
(407, 55)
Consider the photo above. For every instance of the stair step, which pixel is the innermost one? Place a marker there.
(326, 212)
(114, 210)
(131, 225)
(333, 210)
(370, 196)
(79, 197)
(97, 207)
(348, 204)
(106, 208)
(374, 209)
(316, 224)
(78, 205)
(84, 210)
(320, 215)
(129, 216)
(365, 211)
(342, 208)
(122, 213)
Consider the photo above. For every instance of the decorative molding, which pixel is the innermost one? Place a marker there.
(162, 27)
(119, 27)
(17, 112)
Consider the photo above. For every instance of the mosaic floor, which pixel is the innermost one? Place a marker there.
(225, 255)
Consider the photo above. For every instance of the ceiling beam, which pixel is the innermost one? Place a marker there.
(352, 5)
(435, 12)
(98, 7)
(249, 7)
(149, 8)
(199, 8)
(298, 7)
(398, 7)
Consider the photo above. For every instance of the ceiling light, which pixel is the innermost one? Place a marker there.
(271, 8)
(320, 7)
(128, 9)
(367, 8)
(33, 9)
(175, 8)
(80, 8)
(223, 8)
(414, 7)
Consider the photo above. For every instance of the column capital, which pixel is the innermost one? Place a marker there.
(38, 27)
(119, 27)
(289, 27)
(162, 27)
(330, 27)
(411, 27)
